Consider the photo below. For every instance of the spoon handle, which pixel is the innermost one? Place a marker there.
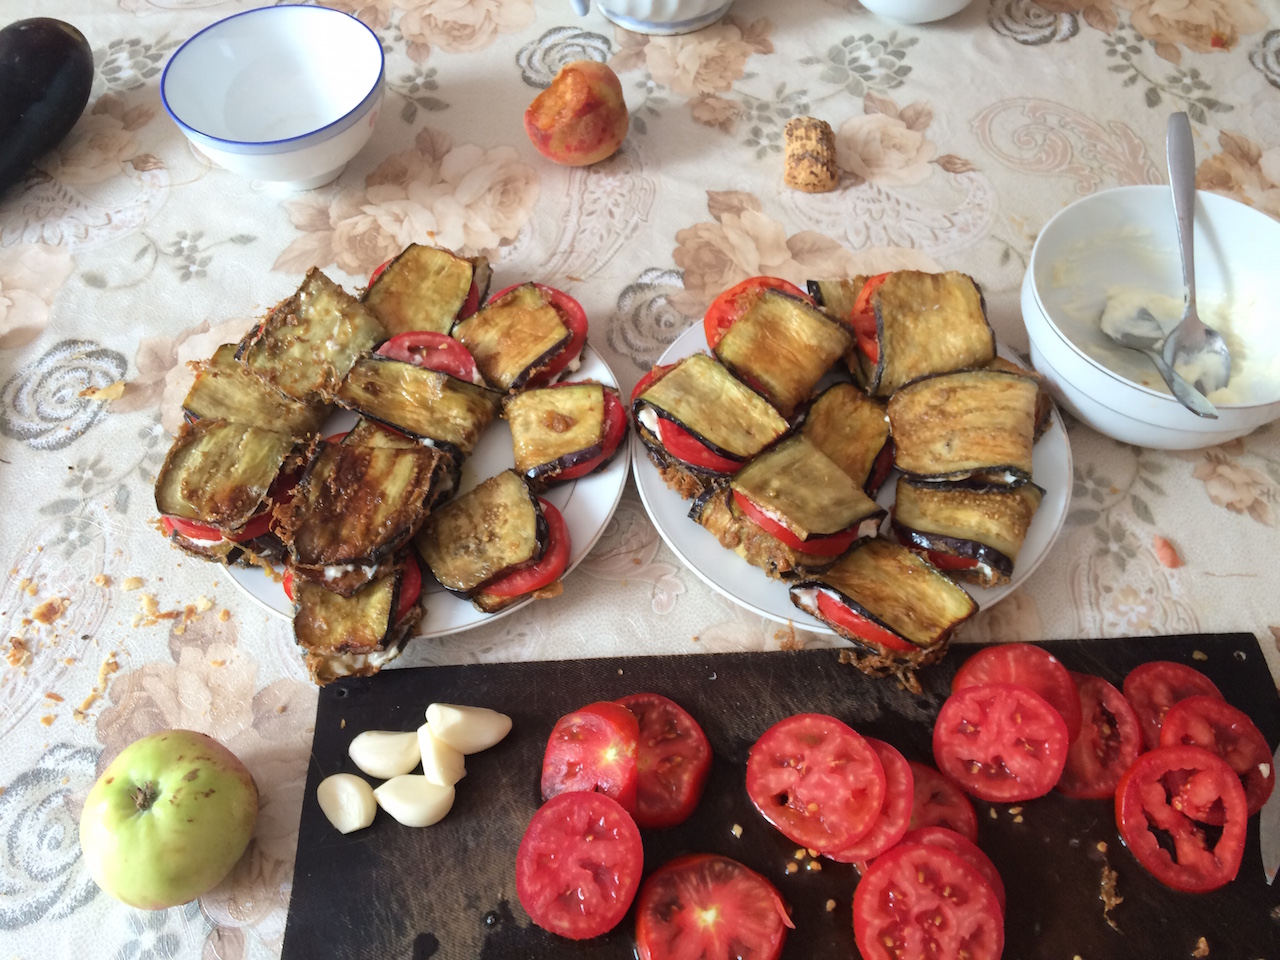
(1182, 177)
(1183, 392)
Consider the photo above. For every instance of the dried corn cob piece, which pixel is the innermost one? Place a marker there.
(810, 163)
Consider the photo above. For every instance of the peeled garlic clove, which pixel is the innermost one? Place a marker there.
(414, 800)
(441, 763)
(347, 801)
(469, 729)
(384, 753)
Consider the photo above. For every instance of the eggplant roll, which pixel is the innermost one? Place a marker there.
(556, 428)
(976, 424)
(983, 525)
(852, 429)
(425, 404)
(358, 501)
(425, 288)
(782, 346)
(352, 636)
(701, 396)
(484, 535)
(225, 389)
(837, 298)
(514, 337)
(307, 343)
(1044, 402)
(896, 591)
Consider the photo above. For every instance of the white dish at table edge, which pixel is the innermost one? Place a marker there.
(587, 505)
(728, 574)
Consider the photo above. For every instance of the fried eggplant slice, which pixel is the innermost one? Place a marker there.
(972, 532)
(853, 430)
(554, 429)
(426, 288)
(837, 298)
(699, 395)
(425, 404)
(225, 389)
(358, 501)
(308, 342)
(976, 424)
(782, 346)
(515, 336)
(904, 611)
(484, 535)
(1044, 402)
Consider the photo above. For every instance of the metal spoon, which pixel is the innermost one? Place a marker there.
(1192, 344)
(1144, 334)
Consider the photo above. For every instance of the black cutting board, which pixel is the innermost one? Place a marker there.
(448, 891)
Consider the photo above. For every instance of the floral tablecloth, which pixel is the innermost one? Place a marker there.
(123, 255)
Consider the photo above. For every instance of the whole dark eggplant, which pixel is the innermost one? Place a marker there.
(46, 72)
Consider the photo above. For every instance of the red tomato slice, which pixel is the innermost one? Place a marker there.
(1172, 846)
(554, 562)
(947, 561)
(1222, 729)
(673, 760)
(862, 303)
(615, 428)
(921, 900)
(939, 802)
(579, 864)
(1110, 740)
(880, 469)
(705, 905)
(861, 627)
(1152, 688)
(1001, 742)
(732, 304)
(434, 351)
(967, 850)
(256, 527)
(863, 319)
(823, 545)
(593, 749)
(817, 780)
(1029, 666)
(890, 826)
(572, 316)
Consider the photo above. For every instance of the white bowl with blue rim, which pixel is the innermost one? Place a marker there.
(659, 17)
(285, 94)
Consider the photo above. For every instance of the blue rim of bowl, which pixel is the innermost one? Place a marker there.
(319, 134)
(1071, 344)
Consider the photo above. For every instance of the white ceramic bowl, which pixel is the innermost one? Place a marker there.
(1124, 241)
(659, 17)
(915, 11)
(286, 94)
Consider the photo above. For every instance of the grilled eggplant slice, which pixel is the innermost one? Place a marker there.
(307, 344)
(357, 503)
(896, 591)
(225, 389)
(782, 346)
(514, 337)
(837, 298)
(983, 525)
(425, 288)
(556, 428)
(1044, 402)
(853, 430)
(487, 533)
(974, 423)
(426, 404)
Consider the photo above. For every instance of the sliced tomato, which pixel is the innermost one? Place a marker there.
(881, 469)
(434, 351)
(579, 864)
(1000, 741)
(673, 759)
(1110, 740)
(922, 900)
(1029, 666)
(256, 527)
(615, 428)
(822, 545)
(732, 304)
(817, 780)
(863, 319)
(593, 749)
(967, 850)
(937, 801)
(1168, 841)
(1152, 688)
(575, 320)
(1219, 727)
(947, 561)
(549, 569)
(706, 905)
(895, 814)
(861, 627)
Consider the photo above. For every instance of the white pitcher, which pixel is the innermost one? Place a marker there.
(658, 17)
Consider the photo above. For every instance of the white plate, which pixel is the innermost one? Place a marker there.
(587, 505)
(725, 571)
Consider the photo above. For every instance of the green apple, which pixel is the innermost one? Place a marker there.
(168, 819)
